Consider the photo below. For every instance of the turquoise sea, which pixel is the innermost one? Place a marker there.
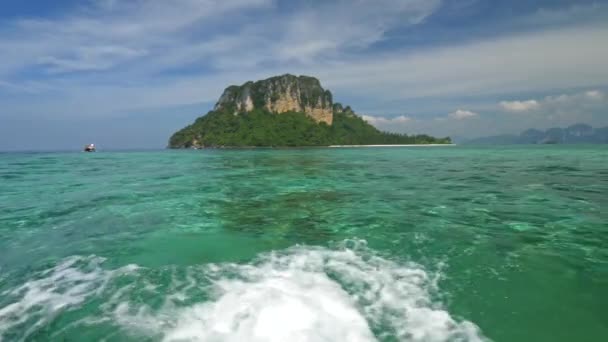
(352, 244)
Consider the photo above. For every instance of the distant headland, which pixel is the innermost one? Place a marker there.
(575, 134)
(283, 111)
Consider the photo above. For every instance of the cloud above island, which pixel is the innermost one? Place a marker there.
(519, 106)
(382, 121)
(461, 114)
(162, 34)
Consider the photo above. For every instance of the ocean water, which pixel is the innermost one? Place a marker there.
(361, 244)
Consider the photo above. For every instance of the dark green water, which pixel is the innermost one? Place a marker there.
(389, 244)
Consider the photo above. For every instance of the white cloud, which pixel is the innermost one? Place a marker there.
(186, 31)
(440, 126)
(481, 68)
(594, 95)
(519, 106)
(462, 114)
(108, 33)
(557, 110)
(563, 102)
(91, 58)
(383, 121)
(328, 27)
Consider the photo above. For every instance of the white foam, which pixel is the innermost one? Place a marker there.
(347, 293)
(307, 294)
(60, 288)
(282, 305)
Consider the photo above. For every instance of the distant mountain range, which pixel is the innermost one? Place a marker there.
(575, 134)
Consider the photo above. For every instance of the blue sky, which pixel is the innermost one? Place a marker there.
(126, 74)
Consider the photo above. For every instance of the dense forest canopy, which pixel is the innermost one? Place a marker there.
(260, 127)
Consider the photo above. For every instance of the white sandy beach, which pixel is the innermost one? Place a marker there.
(401, 145)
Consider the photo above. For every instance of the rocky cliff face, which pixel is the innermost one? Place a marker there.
(281, 94)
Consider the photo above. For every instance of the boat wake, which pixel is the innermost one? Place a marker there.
(346, 293)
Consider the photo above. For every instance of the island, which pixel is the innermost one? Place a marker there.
(285, 111)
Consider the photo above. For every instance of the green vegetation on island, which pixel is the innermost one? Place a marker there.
(285, 111)
(262, 128)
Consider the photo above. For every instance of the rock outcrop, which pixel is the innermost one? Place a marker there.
(280, 94)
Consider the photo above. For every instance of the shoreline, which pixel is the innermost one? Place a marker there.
(300, 147)
(400, 145)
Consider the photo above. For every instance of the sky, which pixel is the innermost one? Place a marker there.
(127, 74)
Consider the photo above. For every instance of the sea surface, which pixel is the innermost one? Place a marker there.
(351, 244)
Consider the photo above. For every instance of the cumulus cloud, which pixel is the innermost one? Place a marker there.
(555, 110)
(411, 125)
(556, 102)
(519, 106)
(594, 95)
(462, 114)
(382, 121)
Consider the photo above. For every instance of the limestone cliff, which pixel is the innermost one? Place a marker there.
(280, 94)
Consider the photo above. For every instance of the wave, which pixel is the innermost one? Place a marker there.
(303, 293)
(41, 299)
